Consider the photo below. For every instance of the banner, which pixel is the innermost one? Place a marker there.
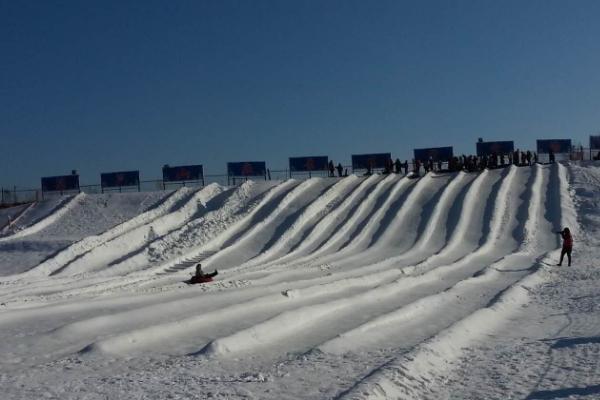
(247, 168)
(119, 179)
(489, 148)
(435, 153)
(364, 161)
(595, 142)
(557, 146)
(305, 164)
(183, 173)
(60, 183)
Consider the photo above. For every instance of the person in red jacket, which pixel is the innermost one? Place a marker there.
(567, 245)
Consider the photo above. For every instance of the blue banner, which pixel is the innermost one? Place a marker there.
(435, 153)
(60, 183)
(305, 164)
(364, 161)
(595, 142)
(247, 168)
(489, 148)
(557, 146)
(183, 173)
(119, 179)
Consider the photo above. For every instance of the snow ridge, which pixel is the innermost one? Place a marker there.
(52, 218)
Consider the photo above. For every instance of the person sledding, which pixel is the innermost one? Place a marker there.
(567, 247)
(201, 277)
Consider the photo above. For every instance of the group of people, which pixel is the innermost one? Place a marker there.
(392, 167)
(470, 163)
(395, 167)
(473, 163)
(340, 170)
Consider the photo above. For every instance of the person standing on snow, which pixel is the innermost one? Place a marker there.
(331, 169)
(340, 169)
(567, 245)
(397, 166)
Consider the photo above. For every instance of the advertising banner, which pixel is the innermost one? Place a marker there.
(60, 183)
(557, 146)
(307, 164)
(120, 179)
(183, 173)
(489, 148)
(435, 153)
(373, 161)
(247, 168)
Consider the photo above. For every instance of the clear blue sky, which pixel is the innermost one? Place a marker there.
(102, 86)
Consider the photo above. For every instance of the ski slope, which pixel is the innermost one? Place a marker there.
(352, 288)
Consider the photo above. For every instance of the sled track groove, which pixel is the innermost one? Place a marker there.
(319, 266)
(141, 337)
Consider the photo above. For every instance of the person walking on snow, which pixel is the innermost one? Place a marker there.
(567, 245)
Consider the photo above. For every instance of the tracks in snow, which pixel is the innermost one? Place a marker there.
(327, 267)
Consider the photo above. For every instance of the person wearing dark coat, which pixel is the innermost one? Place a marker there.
(397, 166)
(389, 166)
(340, 169)
(567, 247)
(331, 169)
(201, 277)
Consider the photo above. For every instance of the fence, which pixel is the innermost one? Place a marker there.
(584, 154)
(14, 196)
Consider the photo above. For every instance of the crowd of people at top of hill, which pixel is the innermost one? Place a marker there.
(468, 163)
(479, 163)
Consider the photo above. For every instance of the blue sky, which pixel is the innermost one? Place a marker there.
(102, 86)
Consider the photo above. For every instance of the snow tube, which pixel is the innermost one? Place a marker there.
(197, 279)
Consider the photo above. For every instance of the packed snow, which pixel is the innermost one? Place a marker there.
(378, 287)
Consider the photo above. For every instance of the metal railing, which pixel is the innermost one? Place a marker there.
(13, 196)
(584, 154)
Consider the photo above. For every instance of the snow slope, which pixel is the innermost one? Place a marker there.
(361, 287)
(44, 228)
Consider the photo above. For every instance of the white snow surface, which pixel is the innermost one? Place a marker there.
(380, 287)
